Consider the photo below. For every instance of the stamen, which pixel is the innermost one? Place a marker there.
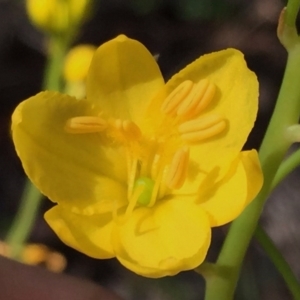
(133, 201)
(202, 128)
(178, 169)
(128, 129)
(198, 99)
(206, 98)
(85, 125)
(171, 103)
(156, 187)
(132, 170)
(120, 220)
(155, 165)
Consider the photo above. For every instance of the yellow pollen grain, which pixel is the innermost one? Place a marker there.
(178, 169)
(85, 124)
(203, 128)
(171, 103)
(198, 99)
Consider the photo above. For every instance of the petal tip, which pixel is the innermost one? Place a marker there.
(121, 38)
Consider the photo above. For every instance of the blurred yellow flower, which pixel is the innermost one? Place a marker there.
(77, 62)
(141, 170)
(76, 66)
(57, 16)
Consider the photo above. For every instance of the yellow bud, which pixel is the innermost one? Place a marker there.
(56, 16)
(77, 62)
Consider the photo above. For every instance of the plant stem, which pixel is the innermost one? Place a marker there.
(287, 166)
(272, 151)
(54, 66)
(292, 9)
(279, 262)
(31, 198)
(24, 220)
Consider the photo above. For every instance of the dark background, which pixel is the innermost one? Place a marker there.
(179, 31)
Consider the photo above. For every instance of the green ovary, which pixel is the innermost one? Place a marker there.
(148, 185)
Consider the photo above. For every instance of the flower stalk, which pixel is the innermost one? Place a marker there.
(31, 197)
(272, 151)
(278, 260)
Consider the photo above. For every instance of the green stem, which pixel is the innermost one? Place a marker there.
(286, 167)
(24, 220)
(279, 262)
(272, 151)
(292, 9)
(54, 66)
(31, 198)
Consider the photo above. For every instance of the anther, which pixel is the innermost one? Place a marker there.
(200, 129)
(85, 125)
(178, 169)
(198, 99)
(128, 129)
(172, 102)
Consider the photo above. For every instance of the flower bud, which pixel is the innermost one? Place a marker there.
(76, 67)
(57, 16)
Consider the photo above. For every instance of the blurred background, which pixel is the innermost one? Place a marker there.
(178, 31)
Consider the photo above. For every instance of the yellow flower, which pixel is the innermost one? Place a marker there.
(77, 62)
(76, 68)
(141, 170)
(57, 16)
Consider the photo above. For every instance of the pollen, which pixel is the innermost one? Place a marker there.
(178, 169)
(85, 124)
(202, 128)
(172, 102)
(198, 99)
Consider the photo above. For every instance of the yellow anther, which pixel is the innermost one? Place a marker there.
(128, 129)
(198, 99)
(172, 102)
(178, 169)
(199, 129)
(85, 125)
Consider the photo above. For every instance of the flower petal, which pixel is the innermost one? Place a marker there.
(236, 100)
(251, 164)
(171, 237)
(78, 169)
(123, 78)
(226, 199)
(90, 235)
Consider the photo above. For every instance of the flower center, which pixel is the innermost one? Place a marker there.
(159, 164)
